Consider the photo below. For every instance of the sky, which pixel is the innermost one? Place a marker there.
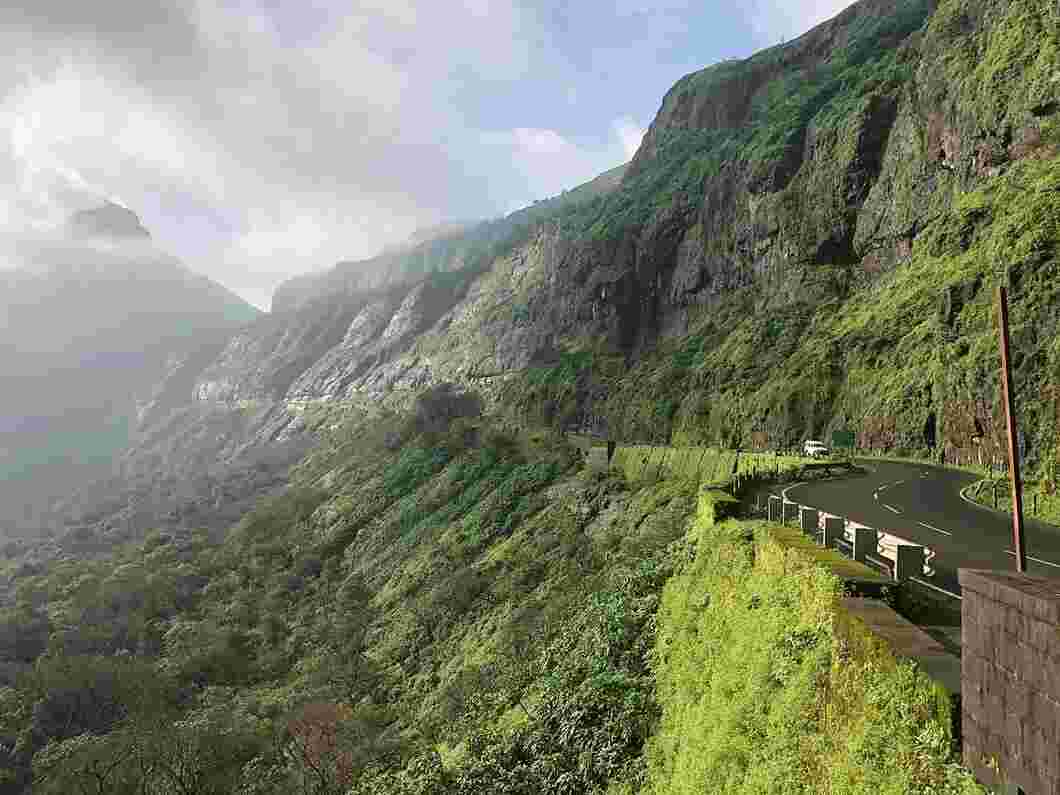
(260, 139)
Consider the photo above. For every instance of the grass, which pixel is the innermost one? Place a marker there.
(1037, 502)
(838, 564)
(767, 685)
(698, 464)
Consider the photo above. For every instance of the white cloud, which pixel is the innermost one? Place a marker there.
(787, 19)
(302, 155)
(540, 142)
(548, 161)
(263, 138)
(630, 134)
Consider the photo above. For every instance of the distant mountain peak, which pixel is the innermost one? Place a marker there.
(108, 221)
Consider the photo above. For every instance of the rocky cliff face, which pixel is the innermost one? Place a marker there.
(804, 171)
(770, 264)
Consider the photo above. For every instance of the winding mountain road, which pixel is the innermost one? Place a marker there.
(923, 504)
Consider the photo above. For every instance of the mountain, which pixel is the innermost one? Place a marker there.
(772, 201)
(90, 323)
(350, 547)
(806, 241)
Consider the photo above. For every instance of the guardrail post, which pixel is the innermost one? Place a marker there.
(808, 520)
(908, 562)
(775, 514)
(791, 512)
(833, 530)
(866, 542)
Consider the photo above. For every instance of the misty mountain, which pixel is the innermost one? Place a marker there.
(89, 322)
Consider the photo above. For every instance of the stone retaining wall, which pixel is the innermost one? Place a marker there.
(1010, 661)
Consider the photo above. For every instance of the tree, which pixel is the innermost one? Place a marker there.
(437, 407)
(148, 755)
(329, 745)
(352, 673)
(23, 634)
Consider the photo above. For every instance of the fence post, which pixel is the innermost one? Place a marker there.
(908, 562)
(865, 541)
(833, 530)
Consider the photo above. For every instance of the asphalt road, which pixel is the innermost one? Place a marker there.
(923, 504)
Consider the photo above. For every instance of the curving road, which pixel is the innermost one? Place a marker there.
(923, 504)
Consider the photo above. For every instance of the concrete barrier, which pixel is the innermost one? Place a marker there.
(834, 528)
(865, 543)
(775, 514)
(809, 519)
(908, 562)
(791, 512)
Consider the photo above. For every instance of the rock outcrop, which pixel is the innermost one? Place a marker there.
(767, 198)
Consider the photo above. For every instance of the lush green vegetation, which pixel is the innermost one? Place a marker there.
(910, 362)
(1038, 501)
(979, 69)
(699, 464)
(766, 685)
(436, 605)
(431, 607)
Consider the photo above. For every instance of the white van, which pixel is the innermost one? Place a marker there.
(814, 449)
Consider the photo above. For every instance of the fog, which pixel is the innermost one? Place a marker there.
(89, 320)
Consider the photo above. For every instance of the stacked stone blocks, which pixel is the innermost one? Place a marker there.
(1010, 671)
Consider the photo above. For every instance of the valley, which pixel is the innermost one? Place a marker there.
(358, 543)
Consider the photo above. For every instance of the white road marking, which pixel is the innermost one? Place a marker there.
(1036, 560)
(891, 508)
(888, 486)
(936, 529)
(875, 495)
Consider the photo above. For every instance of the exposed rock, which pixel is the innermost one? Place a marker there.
(903, 107)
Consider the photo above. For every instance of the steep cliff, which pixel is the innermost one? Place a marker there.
(437, 602)
(806, 240)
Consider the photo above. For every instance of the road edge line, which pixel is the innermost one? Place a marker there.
(979, 505)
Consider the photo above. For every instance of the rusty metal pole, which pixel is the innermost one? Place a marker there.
(1013, 440)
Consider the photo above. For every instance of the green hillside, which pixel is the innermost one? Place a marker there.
(453, 598)
(431, 607)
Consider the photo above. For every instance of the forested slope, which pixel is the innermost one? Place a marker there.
(442, 601)
(435, 607)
